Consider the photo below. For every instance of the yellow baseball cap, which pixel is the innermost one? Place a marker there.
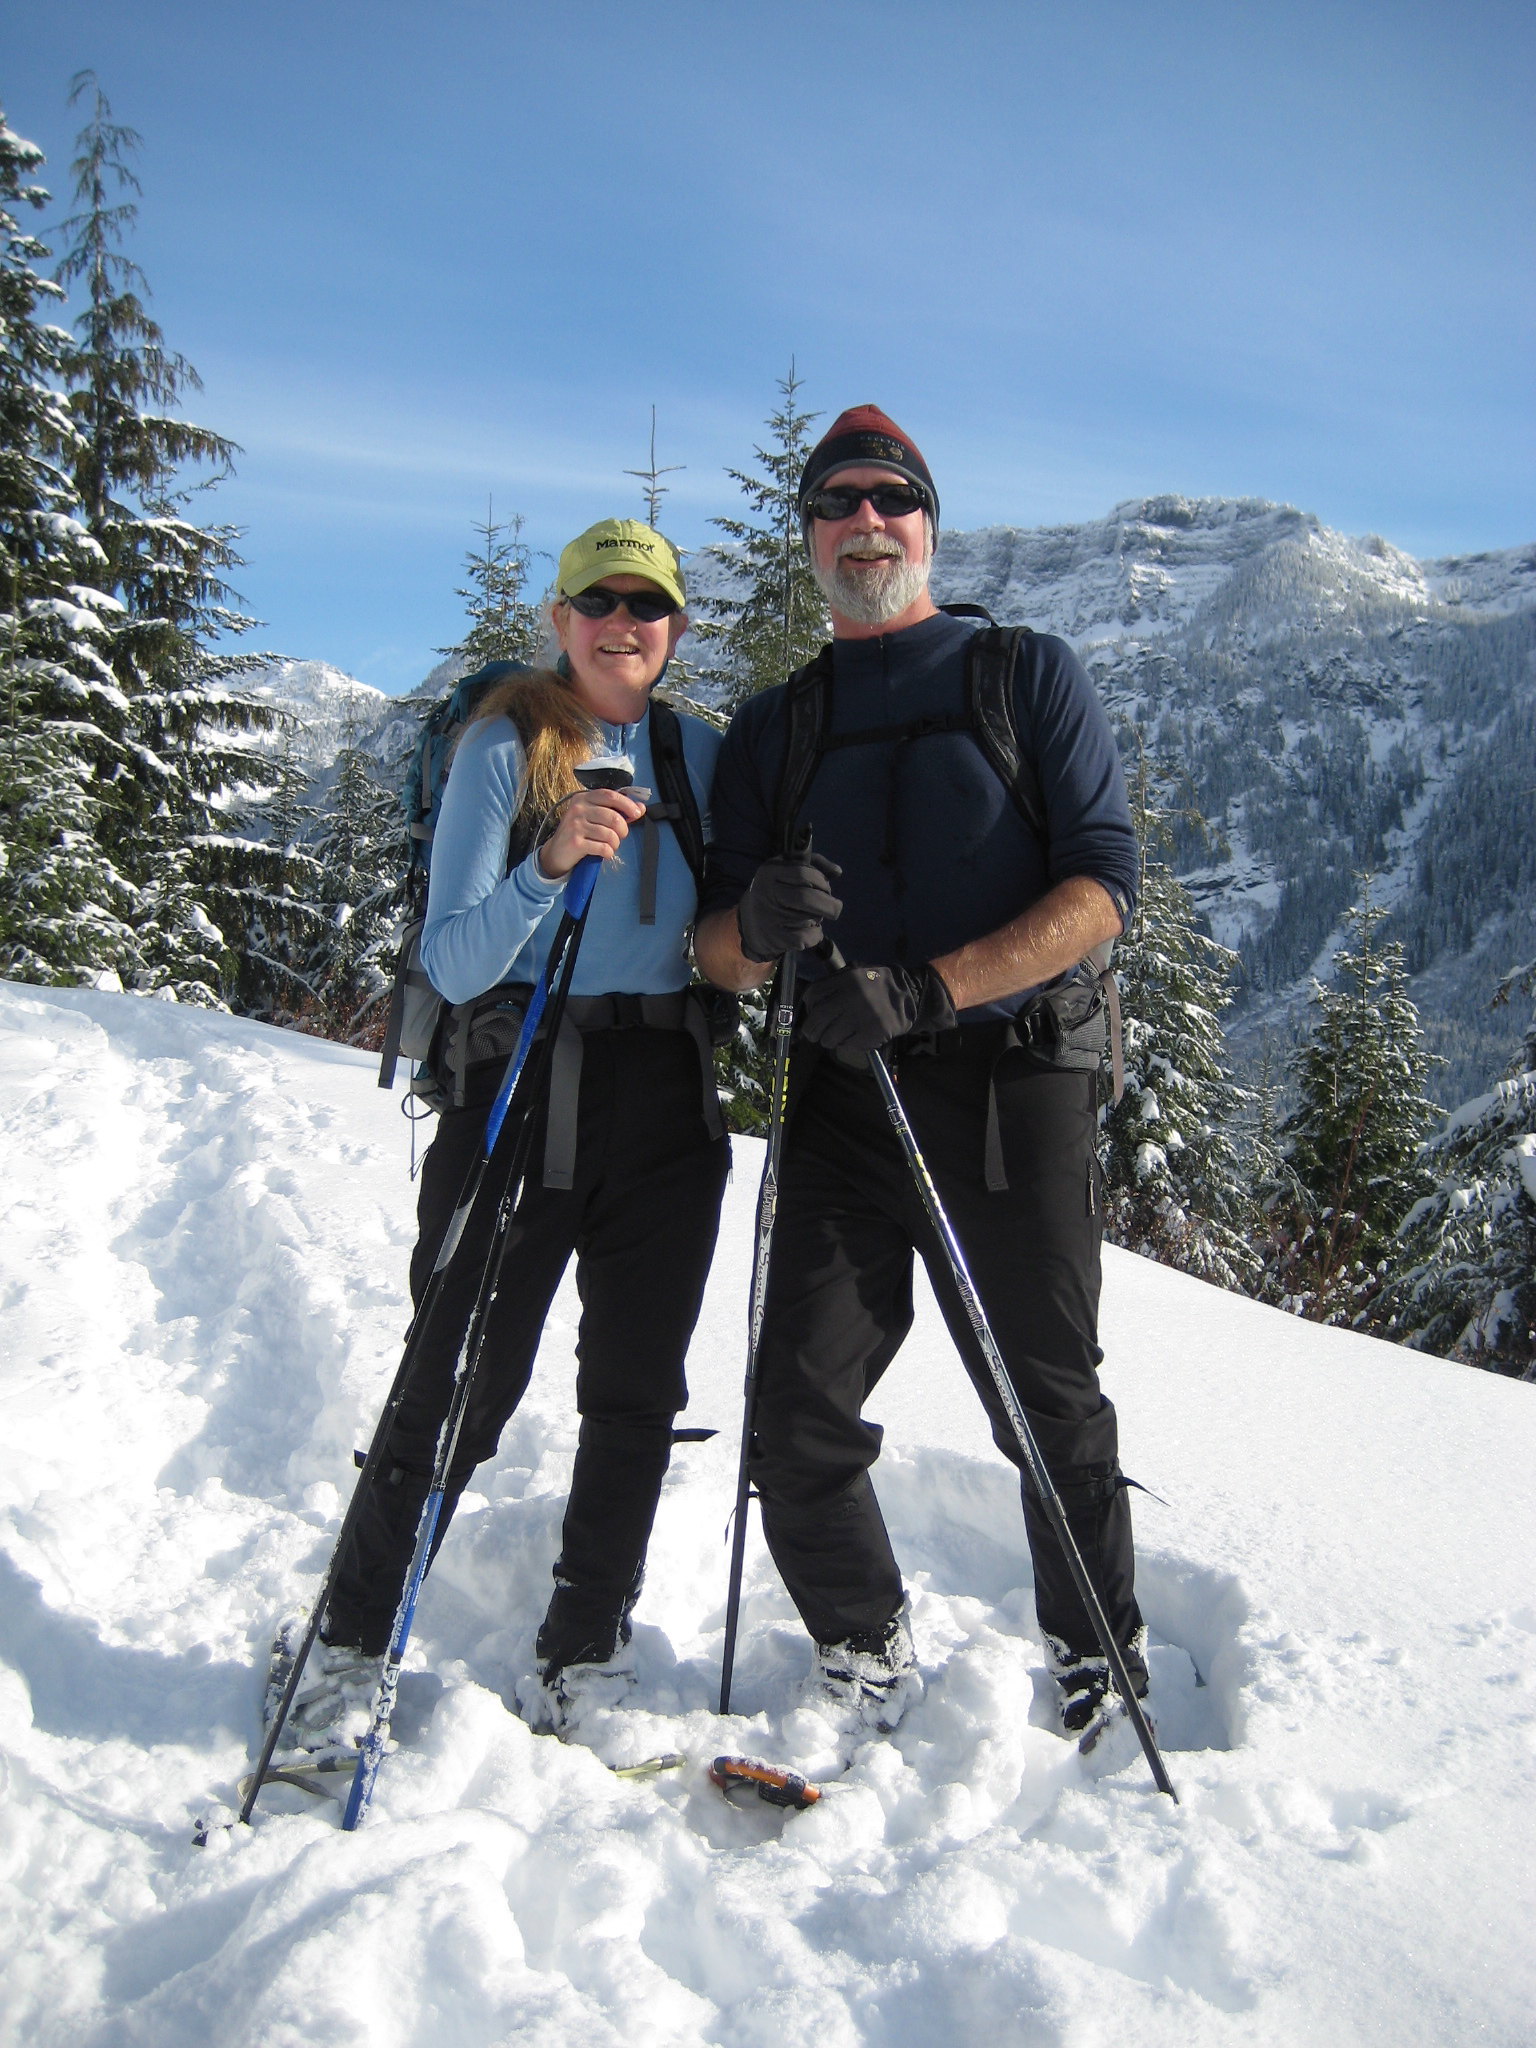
(620, 547)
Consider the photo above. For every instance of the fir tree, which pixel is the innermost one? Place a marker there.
(655, 489)
(285, 920)
(504, 623)
(1465, 1286)
(360, 893)
(1351, 1147)
(776, 618)
(63, 905)
(1176, 1188)
(187, 757)
(744, 1067)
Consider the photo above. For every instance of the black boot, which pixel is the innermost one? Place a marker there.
(615, 1486)
(371, 1575)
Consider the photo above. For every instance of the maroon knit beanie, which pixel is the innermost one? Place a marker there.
(863, 437)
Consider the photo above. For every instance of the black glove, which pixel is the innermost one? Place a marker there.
(861, 1008)
(788, 903)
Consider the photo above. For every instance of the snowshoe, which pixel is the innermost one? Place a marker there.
(1085, 1682)
(1109, 1743)
(864, 1684)
(562, 1696)
(334, 1702)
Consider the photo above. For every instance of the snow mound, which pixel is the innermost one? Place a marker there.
(207, 1230)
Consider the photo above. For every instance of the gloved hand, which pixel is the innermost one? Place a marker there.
(861, 1008)
(788, 903)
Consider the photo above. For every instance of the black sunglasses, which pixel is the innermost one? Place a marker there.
(643, 606)
(891, 501)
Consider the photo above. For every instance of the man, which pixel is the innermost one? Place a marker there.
(963, 925)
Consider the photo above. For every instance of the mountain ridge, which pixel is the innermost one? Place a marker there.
(1336, 705)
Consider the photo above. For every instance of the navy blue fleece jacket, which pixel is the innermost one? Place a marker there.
(933, 851)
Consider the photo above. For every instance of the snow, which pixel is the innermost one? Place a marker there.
(206, 1235)
(324, 706)
(1503, 580)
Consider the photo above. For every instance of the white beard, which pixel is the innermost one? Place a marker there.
(867, 596)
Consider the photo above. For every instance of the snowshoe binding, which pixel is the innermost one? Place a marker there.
(334, 1701)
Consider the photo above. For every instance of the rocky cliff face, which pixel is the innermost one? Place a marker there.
(1337, 706)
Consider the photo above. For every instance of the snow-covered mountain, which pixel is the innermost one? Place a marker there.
(203, 1266)
(1337, 706)
(324, 706)
(1157, 566)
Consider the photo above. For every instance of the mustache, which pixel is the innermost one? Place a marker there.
(868, 544)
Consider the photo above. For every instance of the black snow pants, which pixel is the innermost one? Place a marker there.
(641, 1219)
(840, 1302)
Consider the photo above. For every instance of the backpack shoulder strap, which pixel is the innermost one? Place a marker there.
(807, 714)
(991, 665)
(992, 661)
(990, 675)
(679, 804)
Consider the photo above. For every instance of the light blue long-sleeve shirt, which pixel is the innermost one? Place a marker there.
(486, 926)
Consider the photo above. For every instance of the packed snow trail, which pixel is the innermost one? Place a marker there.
(206, 1232)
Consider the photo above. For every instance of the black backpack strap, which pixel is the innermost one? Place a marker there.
(992, 661)
(677, 807)
(389, 1052)
(808, 713)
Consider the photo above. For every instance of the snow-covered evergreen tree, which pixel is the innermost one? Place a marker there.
(361, 881)
(285, 921)
(63, 905)
(744, 1067)
(1176, 1187)
(776, 617)
(1351, 1147)
(187, 759)
(1465, 1284)
(504, 621)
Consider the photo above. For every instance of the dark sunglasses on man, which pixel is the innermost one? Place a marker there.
(644, 606)
(891, 501)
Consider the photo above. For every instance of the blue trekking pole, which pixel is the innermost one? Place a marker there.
(375, 1742)
(607, 775)
(578, 895)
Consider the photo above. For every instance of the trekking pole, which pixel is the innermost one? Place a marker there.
(767, 1206)
(578, 894)
(371, 1749)
(612, 772)
(1034, 1464)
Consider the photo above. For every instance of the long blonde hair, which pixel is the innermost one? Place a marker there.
(556, 733)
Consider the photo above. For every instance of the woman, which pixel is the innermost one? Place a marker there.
(629, 1155)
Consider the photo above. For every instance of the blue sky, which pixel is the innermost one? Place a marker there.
(426, 254)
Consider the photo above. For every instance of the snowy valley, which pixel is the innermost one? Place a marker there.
(207, 1229)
